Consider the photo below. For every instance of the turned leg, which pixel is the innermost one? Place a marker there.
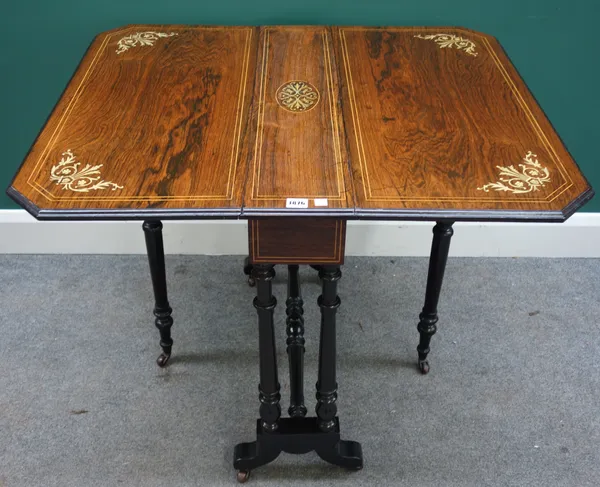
(265, 303)
(295, 343)
(442, 233)
(162, 310)
(329, 302)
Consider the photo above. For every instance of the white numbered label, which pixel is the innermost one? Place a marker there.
(296, 203)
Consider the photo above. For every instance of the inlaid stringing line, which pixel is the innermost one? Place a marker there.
(334, 119)
(549, 147)
(259, 132)
(355, 118)
(239, 113)
(235, 145)
(528, 114)
(257, 145)
(59, 127)
(336, 251)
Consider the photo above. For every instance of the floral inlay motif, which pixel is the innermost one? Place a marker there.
(450, 40)
(297, 96)
(531, 177)
(68, 174)
(141, 39)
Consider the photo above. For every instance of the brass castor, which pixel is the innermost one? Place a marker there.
(424, 366)
(318, 269)
(248, 272)
(243, 476)
(162, 359)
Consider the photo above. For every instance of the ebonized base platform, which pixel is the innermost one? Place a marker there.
(297, 436)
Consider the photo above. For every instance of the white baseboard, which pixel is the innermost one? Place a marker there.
(578, 237)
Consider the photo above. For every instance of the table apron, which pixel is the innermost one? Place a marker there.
(297, 240)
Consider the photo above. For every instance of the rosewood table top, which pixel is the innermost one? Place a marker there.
(173, 121)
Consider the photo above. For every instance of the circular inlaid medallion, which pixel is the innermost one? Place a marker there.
(297, 96)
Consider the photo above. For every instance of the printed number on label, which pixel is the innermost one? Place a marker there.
(296, 203)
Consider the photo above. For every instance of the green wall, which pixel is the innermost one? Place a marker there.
(553, 43)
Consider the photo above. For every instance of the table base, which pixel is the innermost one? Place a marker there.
(297, 436)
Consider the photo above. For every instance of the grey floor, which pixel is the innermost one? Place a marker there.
(513, 397)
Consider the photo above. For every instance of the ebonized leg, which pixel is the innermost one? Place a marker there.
(329, 302)
(265, 303)
(251, 455)
(346, 454)
(162, 310)
(442, 233)
(295, 343)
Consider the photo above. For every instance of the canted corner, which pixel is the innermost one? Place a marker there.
(23, 201)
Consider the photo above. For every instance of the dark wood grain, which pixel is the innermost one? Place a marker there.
(392, 123)
(431, 118)
(300, 152)
(297, 240)
(164, 118)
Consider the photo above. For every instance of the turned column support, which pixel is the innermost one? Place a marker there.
(265, 302)
(295, 343)
(329, 302)
(297, 434)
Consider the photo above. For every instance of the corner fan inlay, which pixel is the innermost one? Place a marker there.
(531, 177)
(449, 40)
(68, 174)
(297, 96)
(141, 39)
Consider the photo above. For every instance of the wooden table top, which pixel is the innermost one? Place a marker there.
(170, 121)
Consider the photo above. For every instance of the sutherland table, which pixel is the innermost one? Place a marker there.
(298, 129)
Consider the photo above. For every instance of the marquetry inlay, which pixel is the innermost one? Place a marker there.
(70, 176)
(454, 41)
(297, 96)
(141, 39)
(531, 177)
(423, 123)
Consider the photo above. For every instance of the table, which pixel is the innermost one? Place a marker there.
(298, 129)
